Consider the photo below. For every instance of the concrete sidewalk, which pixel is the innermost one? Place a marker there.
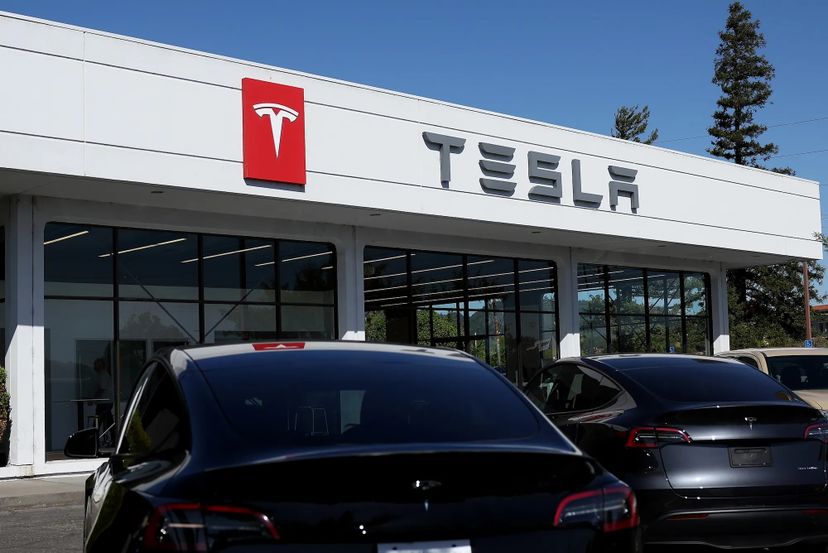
(49, 490)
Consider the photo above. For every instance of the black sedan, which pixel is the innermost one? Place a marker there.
(717, 452)
(344, 447)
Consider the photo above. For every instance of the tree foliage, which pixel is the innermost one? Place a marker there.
(744, 76)
(765, 303)
(631, 124)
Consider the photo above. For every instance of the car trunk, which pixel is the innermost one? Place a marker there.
(379, 497)
(744, 451)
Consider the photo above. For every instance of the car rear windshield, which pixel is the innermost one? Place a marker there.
(340, 397)
(800, 372)
(708, 381)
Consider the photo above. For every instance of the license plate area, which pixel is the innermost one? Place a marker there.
(454, 546)
(741, 457)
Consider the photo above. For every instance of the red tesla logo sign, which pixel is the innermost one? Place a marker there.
(273, 122)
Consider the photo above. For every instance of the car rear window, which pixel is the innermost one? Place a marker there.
(708, 381)
(340, 397)
(800, 372)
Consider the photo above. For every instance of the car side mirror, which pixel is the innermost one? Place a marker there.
(83, 444)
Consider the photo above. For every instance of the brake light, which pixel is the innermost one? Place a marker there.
(193, 527)
(652, 437)
(611, 509)
(818, 431)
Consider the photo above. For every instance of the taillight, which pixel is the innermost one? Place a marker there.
(652, 437)
(193, 527)
(610, 509)
(818, 431)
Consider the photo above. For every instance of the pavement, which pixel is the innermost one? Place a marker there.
(33, 492)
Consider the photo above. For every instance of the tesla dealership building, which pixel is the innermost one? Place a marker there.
(155, 196)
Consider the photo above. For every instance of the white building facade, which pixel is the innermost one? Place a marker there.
(155, 196)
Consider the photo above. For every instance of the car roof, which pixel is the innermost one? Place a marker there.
(778, 352)
(205, 352)
(633, 361)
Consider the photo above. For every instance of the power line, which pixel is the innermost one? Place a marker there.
(800, 153)
(787, 124)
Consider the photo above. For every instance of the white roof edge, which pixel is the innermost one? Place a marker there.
(383, 91)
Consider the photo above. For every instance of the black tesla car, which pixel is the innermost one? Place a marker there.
(343, 447)
(717, 452)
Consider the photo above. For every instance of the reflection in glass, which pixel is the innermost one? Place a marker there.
(73, 265)
(463, 301)
(238, 323)
(153, 269)
(695, 294)
(238, 269)
(79, 389)
(663, 326)
(307, 322)
(155, 264)
(626, 290)
(145, 327)
(306, 272)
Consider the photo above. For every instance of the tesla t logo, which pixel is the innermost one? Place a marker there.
(273, 131)
(277, 113)
(750, 421)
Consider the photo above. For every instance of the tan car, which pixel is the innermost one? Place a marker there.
(803, 370)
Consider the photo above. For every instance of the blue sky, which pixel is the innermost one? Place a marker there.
(568, 63)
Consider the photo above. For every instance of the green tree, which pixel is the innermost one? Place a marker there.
(765, 303)
(631, 124)
(744, 76)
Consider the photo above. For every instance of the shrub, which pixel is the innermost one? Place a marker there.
(4, 396)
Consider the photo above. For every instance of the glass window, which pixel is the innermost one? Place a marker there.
(367, 398)
(306, 272)
(800, 372)
(145, 327)
(591, 290)
(78, 260)
(155, 264)
(238, 269)
(157, 301)
(537, 285)
(501, 310)
(238, 322)
(637, 310)
(694, 380)
(80, 390)
(695, 294)
(566, 387)
(156, 422)
(307, 322)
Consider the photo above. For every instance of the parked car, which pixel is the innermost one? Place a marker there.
(343, 447)
(803, 370)
(717, 452)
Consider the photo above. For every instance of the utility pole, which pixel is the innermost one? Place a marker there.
(807, 293)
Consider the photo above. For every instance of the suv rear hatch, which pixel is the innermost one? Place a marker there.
(744, 451)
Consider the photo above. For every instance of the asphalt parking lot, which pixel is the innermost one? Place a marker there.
(41, 528)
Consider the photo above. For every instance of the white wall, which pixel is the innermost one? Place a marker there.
(90, 104)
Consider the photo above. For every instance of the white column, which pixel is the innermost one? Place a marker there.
(718, 304)
(569, 321)
(20, 330)
(350, 294)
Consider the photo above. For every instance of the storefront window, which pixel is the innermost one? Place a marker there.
(115, 295)
(626, 309)
(502, 310)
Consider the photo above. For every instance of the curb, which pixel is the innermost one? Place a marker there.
(42, 500)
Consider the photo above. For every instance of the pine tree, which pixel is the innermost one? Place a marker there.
(744, 76)
(764, 302)
(631, 123)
